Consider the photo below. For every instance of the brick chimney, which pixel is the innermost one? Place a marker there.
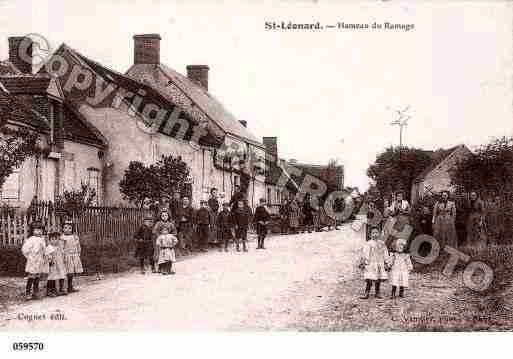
(20, 53)
(244, 123)
(198, 74)
(147, 49)
(271, 148)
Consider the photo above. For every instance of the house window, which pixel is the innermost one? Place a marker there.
(93, 181)
(236, 181)
(69, 175)
(11, 187)
(269, 199)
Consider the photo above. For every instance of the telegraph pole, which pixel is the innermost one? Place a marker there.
(401, 121)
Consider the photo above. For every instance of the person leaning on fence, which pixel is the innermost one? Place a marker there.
(203, 223)
(224, 224)
(144, 239)
(33, 250)
(241, 216)
(72, 251)
(261, 220)
(57, 269)
(166, 243)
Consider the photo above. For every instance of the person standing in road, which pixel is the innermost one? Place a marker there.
(261, 220)
(225, 225)
(284, 216)
(203, 224)
(185, 222)
(241, 218)
(444, 216)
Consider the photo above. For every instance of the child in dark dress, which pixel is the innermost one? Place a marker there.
(145, 249)
(261, 219)
(225, 225)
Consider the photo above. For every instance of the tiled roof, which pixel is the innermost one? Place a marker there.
(437, 158)
(14, 111)
(151, 95)
(77, 128)
(29, 85)
(192, 97)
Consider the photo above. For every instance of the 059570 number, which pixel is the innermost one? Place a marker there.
(24, 346)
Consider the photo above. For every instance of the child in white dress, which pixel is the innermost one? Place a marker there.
(374, 255)
(33, 250)
(166, 243)
(57, 269)
(72, 251)
(401, 267)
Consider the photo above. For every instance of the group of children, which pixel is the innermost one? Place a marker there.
(156, 243)
(379, 265)
(56, 257)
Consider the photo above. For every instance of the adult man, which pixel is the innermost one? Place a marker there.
(213, 204)
(185, 221)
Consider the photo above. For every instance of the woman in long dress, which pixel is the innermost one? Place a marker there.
(495, 220)
(476, 233)
(400, 211)
(294, 215)
(444, 228)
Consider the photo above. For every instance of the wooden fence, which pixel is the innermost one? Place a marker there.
(98, 223)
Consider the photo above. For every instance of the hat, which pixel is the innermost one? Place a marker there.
(262, 200)
(226, 204)
(148, 217)
(68, 221)
(203, 201)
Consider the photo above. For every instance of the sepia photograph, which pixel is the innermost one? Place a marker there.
(255, 167)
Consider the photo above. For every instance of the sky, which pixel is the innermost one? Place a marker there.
(324, 94)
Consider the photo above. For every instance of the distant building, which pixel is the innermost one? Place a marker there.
(436, 177)
(331, 175)
(96, 130)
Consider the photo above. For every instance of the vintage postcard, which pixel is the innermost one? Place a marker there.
(255, 166)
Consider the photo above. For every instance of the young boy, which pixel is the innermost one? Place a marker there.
(203, 221)
(240, 219)
(261, 219)
(225, 225)
(144, 239)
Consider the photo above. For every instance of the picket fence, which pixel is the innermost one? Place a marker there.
(98, 223)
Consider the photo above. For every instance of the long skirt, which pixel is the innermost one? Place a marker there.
(476, 234)
(444, 231)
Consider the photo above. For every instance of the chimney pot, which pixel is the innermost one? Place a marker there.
(147, 49)
(20, 53)
(198, 74)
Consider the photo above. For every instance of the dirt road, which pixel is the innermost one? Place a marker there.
(259, 290)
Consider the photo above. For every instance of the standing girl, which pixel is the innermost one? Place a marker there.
(57, 269)
(166, 243)
(375, 253)
(33, 250)
(294, 214)
(401, 266)
(72, 251)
